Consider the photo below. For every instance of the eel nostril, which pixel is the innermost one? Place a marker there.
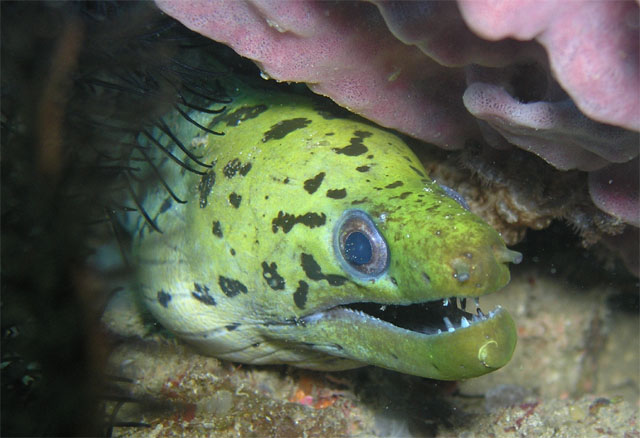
(461, 270)
(508, 256)
(505, 255)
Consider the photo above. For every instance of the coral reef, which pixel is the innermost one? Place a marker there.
(559, 80)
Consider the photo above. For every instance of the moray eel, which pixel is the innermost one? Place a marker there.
(312, 238)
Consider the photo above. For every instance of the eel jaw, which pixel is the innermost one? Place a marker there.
(429, 318)
(435, 339)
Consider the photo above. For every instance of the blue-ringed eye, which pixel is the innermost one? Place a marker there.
(359, 246)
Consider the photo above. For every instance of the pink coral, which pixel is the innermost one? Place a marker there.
(518, 73)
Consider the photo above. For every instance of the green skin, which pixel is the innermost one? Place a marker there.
(231, 275)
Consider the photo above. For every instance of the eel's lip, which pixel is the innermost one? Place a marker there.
(427, 318)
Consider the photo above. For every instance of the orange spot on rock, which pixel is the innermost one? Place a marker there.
(325, 402)
(303, 392)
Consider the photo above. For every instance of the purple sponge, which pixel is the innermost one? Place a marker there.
(559, 79)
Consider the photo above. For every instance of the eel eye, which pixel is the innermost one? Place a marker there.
(359, 246)
(357, 249)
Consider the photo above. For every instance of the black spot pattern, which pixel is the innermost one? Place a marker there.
(245, 169)
(337, 193)
(232, 327)
(363, 168)
(314, 272)
(311, 267)
(300, 295)
(312, 184)
(164, 298)
(287, 221)
(419, 172)
(335, 280)
(403, 195)
(235, 199)
(356, 146)
(239, 115)
(285, 127)
(271, 276)
(166, 205)
(201, 293)
(206, 184)
(216, 229)
(394, 184)
(235, 166)
(328, 110)
(231, 168)
(231, 287)
(359, 201)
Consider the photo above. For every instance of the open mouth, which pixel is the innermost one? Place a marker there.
(429, 318)
(445, 339)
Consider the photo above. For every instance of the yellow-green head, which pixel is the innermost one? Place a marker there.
(319, 241)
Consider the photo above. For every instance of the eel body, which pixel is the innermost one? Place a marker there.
(313, 238)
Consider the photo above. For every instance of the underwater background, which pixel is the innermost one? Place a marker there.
(80, 357)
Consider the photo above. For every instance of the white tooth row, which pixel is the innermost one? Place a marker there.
(464, 322)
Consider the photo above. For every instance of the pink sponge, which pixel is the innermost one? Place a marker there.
(614, 189)
(540, 127)
(592, 46)
(446, 73)
(344, 51)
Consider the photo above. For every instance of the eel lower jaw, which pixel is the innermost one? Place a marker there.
(429, 318)
(436, 339)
